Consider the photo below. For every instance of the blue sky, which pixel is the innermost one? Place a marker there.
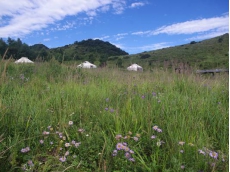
(132, 25)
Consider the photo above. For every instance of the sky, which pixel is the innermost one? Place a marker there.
(134, 26)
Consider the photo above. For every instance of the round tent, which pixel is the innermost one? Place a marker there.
(135, 67)
(23, 60)
(86, 64)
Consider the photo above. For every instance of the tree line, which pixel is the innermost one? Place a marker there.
(90, 50)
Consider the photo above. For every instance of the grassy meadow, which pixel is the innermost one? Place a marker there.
(54, 117)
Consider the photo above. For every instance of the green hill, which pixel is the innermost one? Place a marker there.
(210, 53)
(206, 54)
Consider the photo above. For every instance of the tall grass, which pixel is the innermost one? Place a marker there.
(58, 118)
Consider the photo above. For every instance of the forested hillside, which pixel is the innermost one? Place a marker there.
(91, 50)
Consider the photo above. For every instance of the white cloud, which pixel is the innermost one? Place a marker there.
(118, 6)
(18, 18)
(102, 38)
(137, 4)
(46, 39)
(141, 33)
(195, 26)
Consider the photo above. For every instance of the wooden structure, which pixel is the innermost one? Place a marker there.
(211, 71)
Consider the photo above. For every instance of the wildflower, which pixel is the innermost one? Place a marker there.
(41, 141)
(62, 159)
(70, 122)
(154, 94)
(130, 133)
(182, 167)
(155, 127)
(201, 151)
(67, 153)
(126, 137)
(181, 151)
(159, 130)
(127, 155)
(30, 163)
(118, 137)
(80, 130)
(24, 150)
(77, 144)
(73, 142)
(111, 110)
(106, 109)
(143, 97)
(132, 159)
(119, 146)
(46, 133)
(135, 138)
(67, 144)
(131, 151)
(125, 144)
(213, 154)
(114, 152)
(181, 143)
(153, 137)
(51, 143)
(126, 148)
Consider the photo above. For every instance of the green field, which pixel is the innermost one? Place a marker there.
(54, 117)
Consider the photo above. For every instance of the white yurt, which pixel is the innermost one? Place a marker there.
(135, 67)
(86, 64)
(23, 60)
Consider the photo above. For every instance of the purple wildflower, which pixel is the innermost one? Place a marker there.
(41, 141)
(127, 155)
(131, 151)
(154, 94)
(201, 151)
(132, 159)
(119, 146)
(67, 153)
(155, 127)
(106, 109)
(153, 137)
(114, 152)
(30, 163)
(77, 144)
(24, 150)
(213, 154)
(62, 159)
(119, 136)
(159, 130)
